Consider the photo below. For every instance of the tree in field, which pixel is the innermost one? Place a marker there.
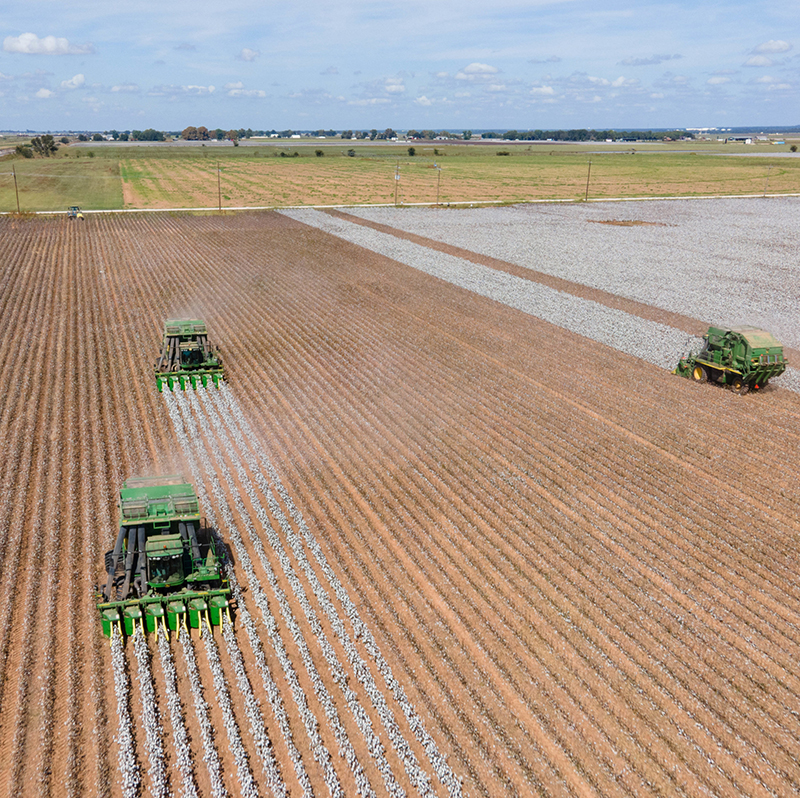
(203, 134)
(98, 137)
(233, 137)
(24, 150)
(219, 134)
(44, 145)
(412, 151)
(467, 135)
(189, 134)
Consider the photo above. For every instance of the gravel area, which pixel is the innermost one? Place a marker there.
(648, 340)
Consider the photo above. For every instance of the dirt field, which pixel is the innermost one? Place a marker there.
(475, 553)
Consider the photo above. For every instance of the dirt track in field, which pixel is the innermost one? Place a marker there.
(580, 571)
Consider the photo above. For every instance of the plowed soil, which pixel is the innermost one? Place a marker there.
(581, 570)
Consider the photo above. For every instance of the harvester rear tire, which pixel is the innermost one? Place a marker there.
(699, 374)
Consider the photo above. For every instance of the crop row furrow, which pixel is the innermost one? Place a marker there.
(126, 757)
(184, 760)
(210, 753)
(150, 719)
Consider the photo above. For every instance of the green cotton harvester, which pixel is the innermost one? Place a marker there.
(187, 359)
(164, 569)
(741, 357)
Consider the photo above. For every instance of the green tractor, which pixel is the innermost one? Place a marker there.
(741, 357)
(186, 358)
(164, 569)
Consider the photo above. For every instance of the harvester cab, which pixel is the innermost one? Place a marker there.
(741, 357)
(187, 359)
(164, 569)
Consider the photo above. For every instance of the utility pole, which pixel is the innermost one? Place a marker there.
(16, 190)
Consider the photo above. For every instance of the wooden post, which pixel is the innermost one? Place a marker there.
(589, 174)
(16, 190)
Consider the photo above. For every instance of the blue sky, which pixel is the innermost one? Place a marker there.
(76, 64)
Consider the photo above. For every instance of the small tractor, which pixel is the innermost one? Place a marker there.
(164, 569)
(74, 212)
(741, 357)
(186, 358)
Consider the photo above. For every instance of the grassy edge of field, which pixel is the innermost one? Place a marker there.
(271, 177)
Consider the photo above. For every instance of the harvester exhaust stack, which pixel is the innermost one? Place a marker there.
(187, 359)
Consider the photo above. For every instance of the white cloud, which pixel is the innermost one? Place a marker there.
(597, 81)
(45, 94)
(621, 81)
(772, 83)
(237, 85)
(773, 46)
(476, 70)
(652, 60)
(174, 91)
(547, 90)
(370, 101)
(423, 101)
(758, 61)
(73, 83)
(249, 55)
(718, 81)
(497, 87)
(126, 88)
(31, 44)
(255, 93)
(394, 85)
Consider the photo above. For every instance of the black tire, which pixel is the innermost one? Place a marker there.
(700, 374)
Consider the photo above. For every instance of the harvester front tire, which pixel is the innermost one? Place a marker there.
(699, 374)
(739, 386)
